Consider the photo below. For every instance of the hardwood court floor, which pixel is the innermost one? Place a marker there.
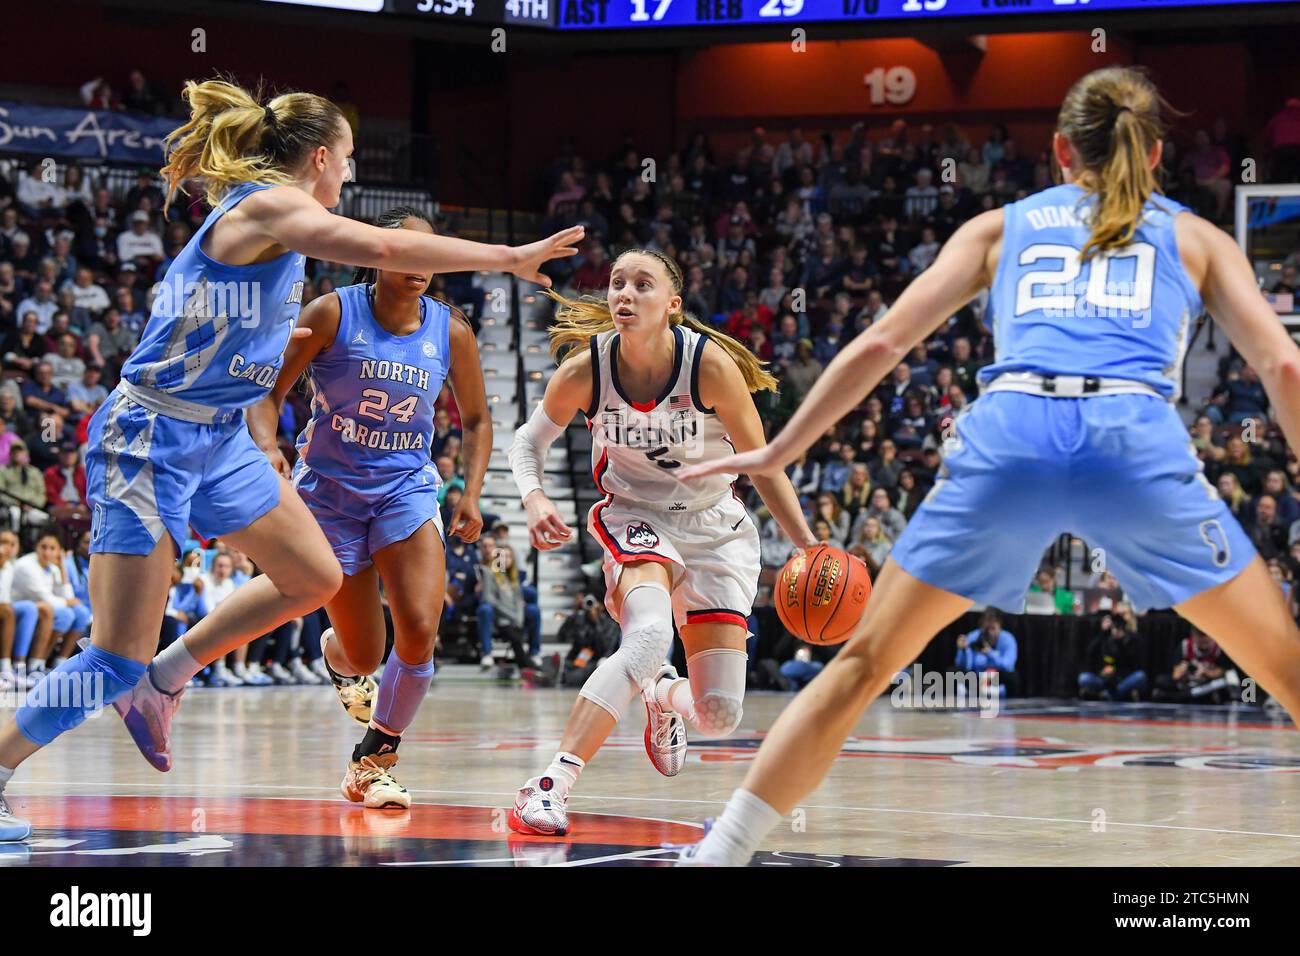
(257, 770)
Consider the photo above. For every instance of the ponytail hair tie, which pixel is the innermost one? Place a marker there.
(270, 115)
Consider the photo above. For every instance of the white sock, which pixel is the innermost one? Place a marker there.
(6, 665)
(675, 695)
(35, 667)
(563, 771)
(173, 668)
(743, 825)
(5, 775)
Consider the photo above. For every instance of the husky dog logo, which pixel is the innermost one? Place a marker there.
(641, 535)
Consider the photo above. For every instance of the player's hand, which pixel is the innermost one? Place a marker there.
(279, 462)
(546, 529)
(528, 259)
(466, 521)
(760, 461)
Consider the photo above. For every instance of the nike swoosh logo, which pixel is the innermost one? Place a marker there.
(571, 763)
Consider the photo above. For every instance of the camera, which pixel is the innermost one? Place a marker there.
(589, 603)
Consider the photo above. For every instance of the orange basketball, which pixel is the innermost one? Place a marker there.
(821, 593)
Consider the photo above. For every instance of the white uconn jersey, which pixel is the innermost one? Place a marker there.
(638, 448)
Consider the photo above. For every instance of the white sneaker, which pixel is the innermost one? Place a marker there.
(302, 673)
(7, 681)
(539, 810)
(665, 731)
(370, 781)
(148, 714)
(255, 677)
(281, 675)
(486, 663)
(12, 828)
(321, 671)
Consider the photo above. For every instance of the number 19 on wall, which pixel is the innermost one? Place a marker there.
(894, 86)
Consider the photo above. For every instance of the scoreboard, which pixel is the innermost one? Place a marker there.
(531, 13)
(651, 14)
(635, 14)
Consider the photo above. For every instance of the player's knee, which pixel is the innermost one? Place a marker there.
(316, 582)
(44, 612)
(416, 636)
(79, 687)
(718, 714)
(644, 650)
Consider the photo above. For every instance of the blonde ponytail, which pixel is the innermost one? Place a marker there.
(1113, 119)
(232, 139)
(577, 320)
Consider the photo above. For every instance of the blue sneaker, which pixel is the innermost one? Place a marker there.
(147, 713)
(12, 829)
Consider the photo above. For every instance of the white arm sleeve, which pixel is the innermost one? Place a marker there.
(528, 451)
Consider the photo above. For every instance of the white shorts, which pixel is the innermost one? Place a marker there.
(712, 555)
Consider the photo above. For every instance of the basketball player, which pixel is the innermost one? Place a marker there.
(377, 356)
(658, 389)
(1093, 286)
(170, 448)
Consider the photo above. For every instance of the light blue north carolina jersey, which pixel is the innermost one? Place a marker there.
(1125, 314)
(217, 332)
(373, 400)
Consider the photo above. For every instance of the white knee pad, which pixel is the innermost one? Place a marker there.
(718, 689)
(647, 616)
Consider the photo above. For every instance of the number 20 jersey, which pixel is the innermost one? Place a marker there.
(637, 449)
(373, 396)
(1123, 314)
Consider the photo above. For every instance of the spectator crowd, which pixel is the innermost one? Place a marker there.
(792, 244)
(795, 244)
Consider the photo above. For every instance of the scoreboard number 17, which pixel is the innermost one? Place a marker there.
(639, 13)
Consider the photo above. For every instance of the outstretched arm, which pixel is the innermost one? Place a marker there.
(291, 218)
(964, 266)
(1230, 292)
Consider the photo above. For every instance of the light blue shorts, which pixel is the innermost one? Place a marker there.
(147, 473)
(1117, 471)
(357, 526)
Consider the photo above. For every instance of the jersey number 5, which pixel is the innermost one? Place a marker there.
(654, 454)
(374, 402)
